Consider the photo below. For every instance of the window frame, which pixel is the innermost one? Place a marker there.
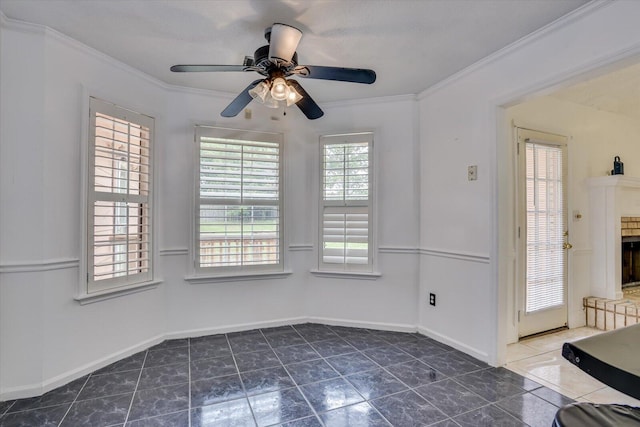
(208, 274)
(355, 270)
(90, 290)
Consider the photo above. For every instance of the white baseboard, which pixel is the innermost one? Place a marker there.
(192, 333)
(20, 392)
(397, 327)
(66, 377)
(480, 355)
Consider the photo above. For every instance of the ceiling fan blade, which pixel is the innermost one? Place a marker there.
(241, 101)
(354, 75)
(283, 42)
(307, 105)
(200, 68)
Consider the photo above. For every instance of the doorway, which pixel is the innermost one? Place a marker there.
(542, 231)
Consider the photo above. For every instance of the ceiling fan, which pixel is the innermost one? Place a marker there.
(277, 61)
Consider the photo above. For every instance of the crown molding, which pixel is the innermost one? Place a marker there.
(538, 34)
(369, 101)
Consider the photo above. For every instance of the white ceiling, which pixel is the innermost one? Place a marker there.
(411, 44)
(617, 92)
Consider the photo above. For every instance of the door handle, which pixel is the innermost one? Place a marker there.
(567, 246)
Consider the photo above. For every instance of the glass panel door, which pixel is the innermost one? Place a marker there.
(542, 231)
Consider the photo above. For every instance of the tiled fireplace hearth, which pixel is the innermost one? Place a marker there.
(607, 314)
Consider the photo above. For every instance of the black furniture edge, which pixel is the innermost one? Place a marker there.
(612, 376)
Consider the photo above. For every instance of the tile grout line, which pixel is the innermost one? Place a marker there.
(246, 396)
(189, 380)
(6, 411)
(144, 361)
(72, 403)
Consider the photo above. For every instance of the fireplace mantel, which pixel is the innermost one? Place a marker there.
(621, 181)
(610, 198)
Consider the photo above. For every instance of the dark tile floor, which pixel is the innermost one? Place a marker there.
(294, 376)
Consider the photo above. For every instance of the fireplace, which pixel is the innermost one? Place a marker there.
(614, 215)
(630, 261)
(630, 251)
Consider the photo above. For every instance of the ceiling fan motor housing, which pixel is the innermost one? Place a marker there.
(261, 59)
(283, 41)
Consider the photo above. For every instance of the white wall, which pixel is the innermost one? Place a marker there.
(388, 301)
(47, 338)
(23, 292)
(461, 123)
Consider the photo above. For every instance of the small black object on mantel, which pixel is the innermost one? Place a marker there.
(618, 166)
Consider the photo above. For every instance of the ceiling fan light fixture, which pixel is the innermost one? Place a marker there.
(260, 91)
(269, 102)
(293, 97)
(280, 89)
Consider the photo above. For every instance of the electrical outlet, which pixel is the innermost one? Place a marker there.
(472, 173)
(432, 299)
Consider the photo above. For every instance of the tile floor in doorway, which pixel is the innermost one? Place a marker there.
(540, 359)
(301, 375)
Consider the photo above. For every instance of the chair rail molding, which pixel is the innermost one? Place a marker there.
(459, 255)
(40, 265)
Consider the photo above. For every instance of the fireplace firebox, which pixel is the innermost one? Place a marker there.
(630, 261)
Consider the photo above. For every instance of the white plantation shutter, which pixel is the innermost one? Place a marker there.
(239, 213)
(545, 227)
(346, 232)
(119, 212)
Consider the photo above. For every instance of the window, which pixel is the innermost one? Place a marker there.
(119, 198)
(239, 204)
(346, 205)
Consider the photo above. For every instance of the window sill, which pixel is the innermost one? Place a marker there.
(115, 293)
(347, 274)
(200, 279)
